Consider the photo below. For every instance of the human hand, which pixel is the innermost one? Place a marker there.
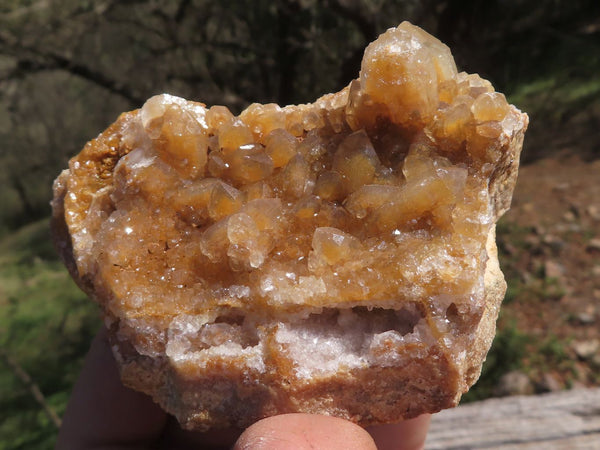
(104, 415)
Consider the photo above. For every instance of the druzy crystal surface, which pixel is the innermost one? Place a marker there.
(266, 255)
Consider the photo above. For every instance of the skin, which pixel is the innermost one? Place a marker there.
(104, 415)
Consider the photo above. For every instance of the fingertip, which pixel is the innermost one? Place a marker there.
(406, 435)
(304, 432)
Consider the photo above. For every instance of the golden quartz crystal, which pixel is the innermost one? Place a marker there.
(336, 257)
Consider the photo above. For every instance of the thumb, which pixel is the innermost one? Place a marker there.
(304, 432)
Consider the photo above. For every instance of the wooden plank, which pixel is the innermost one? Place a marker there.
(561, 420)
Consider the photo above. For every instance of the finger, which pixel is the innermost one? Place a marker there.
(175, 438)
(304, 432)
(406, 435)
(102, 413)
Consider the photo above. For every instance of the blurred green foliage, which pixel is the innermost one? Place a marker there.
(507, 352)
(46, 324)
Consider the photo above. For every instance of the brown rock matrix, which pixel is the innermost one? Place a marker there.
(335, 257)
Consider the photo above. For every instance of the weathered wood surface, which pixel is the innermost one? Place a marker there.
(563, 420)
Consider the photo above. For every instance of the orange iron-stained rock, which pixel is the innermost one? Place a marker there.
(337, 257)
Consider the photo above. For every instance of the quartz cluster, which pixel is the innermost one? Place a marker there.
(336, 257)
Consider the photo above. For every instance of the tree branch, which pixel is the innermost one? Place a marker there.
(98, 78)
(35, 60)
(33, 388)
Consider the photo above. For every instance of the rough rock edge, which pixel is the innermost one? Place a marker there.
(335, 395)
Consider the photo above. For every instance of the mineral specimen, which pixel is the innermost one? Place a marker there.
(337, 257)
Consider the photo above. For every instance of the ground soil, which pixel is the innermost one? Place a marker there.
(550, 250)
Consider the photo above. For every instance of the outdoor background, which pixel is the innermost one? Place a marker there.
(68, 68)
